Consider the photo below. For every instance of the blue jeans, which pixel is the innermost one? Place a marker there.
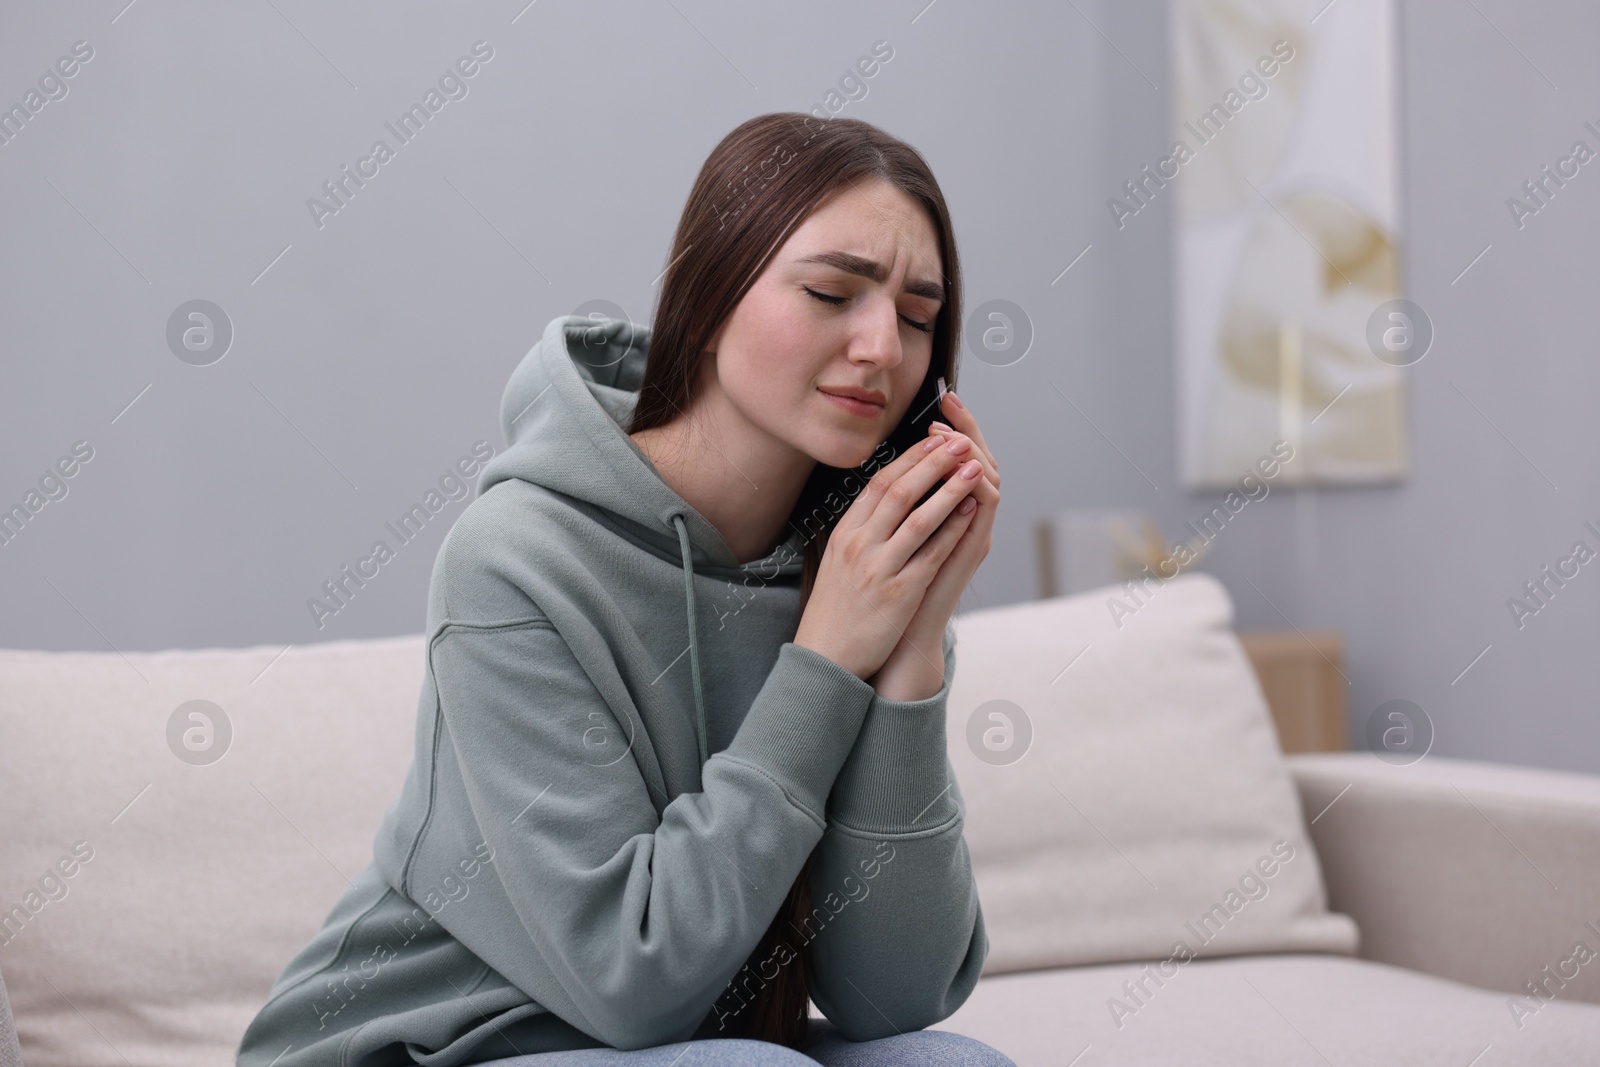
(920, 1048)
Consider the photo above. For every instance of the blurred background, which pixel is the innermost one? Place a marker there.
(230, 368)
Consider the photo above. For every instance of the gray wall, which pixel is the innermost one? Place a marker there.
(1502, 435)
(369, 354)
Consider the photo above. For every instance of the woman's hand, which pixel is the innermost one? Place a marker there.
(886, 549)
(915, 668)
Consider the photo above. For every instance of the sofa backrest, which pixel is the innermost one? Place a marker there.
(151, 898)
(154, 891)
(1126, 798)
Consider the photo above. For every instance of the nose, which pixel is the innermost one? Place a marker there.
(877, 335)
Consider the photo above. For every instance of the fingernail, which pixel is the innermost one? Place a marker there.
(942, 426)
(931, 443)
(966, 506)
(959, 445)
(971, 469)
(956, 400)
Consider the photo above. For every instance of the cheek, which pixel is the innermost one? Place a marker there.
(764, 386)
(769, 386)
(776, 360)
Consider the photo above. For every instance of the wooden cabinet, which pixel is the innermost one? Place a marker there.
(1303, 677)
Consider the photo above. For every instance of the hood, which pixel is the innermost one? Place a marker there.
(563, 414)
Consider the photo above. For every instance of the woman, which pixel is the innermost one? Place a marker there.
(681, 741)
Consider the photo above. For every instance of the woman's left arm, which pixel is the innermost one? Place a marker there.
(896, 931)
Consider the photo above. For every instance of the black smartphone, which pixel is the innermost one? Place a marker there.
(923, 413)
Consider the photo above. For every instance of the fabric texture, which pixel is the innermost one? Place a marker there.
(621, 764)
(1492, 877)
(1158, 801)
(1267, 1010)
(148, 903)
(825, 1045)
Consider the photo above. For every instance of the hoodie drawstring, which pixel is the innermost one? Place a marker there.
(694, 636)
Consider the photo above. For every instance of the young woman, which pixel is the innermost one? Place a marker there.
(681, 742)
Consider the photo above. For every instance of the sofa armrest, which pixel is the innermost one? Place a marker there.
(1485, 873)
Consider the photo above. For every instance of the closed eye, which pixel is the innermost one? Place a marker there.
(837, 300)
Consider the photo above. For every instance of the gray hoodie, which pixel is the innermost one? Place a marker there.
(622, 761)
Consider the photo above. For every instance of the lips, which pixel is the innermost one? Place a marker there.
(864, 402)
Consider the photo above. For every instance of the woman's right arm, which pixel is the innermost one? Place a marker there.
(638, 920)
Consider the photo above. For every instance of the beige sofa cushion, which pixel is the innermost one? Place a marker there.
(1151, 809)
(1289, 1010)
(201, 880)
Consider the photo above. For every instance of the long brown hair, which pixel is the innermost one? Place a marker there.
(760, 183)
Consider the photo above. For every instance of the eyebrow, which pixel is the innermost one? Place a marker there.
(868, 268)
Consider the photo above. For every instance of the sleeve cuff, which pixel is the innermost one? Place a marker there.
(898, 779)
(803, 723)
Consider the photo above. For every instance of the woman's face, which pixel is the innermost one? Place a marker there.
(848, 302)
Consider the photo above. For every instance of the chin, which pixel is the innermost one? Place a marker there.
(846, 451)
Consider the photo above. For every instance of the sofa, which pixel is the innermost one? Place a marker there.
(1160, 884)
